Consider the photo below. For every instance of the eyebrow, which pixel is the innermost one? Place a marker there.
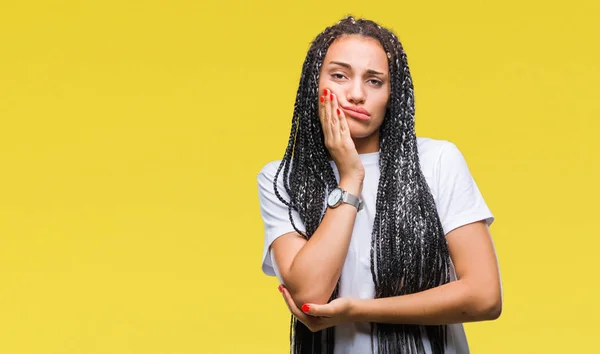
(346, 65)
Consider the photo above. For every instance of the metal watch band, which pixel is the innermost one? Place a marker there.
(352, 200)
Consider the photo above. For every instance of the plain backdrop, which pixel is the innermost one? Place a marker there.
(131, 134)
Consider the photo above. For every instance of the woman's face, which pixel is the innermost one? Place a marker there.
(355, 69)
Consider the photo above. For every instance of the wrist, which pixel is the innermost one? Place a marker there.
(355, 311)
(352, 185)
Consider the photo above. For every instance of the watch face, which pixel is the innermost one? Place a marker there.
(334, 197)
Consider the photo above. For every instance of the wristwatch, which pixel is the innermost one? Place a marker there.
(339, 196)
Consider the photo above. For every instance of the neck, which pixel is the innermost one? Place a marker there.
(368, 144)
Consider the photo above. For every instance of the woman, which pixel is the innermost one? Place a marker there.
(380, 239)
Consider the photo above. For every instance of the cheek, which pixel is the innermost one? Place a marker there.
(328, 84)
(323, 83)
(382, 106)
(382, 102)
(322, 86)
(379, 108)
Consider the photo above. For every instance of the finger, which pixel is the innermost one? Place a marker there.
(335, 120)
(286, 302)
(313, 323)
(344, 129)
(322, 111)
(319, 310)
(325, 120)
(292, 306)
(328, 116)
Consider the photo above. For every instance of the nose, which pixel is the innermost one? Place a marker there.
(356, 93)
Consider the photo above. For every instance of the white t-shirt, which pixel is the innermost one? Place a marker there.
(458, 202)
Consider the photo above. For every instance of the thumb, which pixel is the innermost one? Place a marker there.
(318, 310)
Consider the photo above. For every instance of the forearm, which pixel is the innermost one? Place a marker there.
(316, 268)
(455, 302)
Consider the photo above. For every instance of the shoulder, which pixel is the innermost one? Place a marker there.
(267, 174)
(269, 170)
(442, 163)
(432, 152)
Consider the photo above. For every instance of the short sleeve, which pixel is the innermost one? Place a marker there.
(274, 212)
(459, 201)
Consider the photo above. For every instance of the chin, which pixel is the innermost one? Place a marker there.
(361, 130)
(360, 134)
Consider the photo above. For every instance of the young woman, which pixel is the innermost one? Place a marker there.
(380, 239)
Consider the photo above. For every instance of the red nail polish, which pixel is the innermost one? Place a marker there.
(280, 288)
(331, 97)
(322, 99)
(325, 93)
(338, 111)
(305, 308)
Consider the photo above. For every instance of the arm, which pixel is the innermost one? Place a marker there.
(475, 296)
(310, 269)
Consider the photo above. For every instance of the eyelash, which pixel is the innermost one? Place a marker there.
(377, 82)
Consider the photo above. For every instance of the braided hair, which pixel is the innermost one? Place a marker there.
(409, 252)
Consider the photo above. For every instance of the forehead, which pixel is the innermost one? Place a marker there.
(358, 51)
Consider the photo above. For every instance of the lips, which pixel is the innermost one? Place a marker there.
(357, 112)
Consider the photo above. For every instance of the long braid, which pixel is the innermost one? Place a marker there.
(311, 178)
(408, 248)
(416, 238)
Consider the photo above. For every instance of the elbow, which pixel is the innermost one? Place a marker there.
(310, 297)
(308, 292)
(481, 302)
(496, 313)
(488, 306)
(492, 310)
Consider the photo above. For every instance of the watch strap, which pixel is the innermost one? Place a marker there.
(352, 200)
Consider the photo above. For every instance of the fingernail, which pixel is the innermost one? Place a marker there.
(322, 99)
(305, 308)
(325, 93)
(331, 97)
(280, 288)
(338, 111)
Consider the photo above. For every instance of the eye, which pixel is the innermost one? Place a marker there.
(338, 76)
(376, 82)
